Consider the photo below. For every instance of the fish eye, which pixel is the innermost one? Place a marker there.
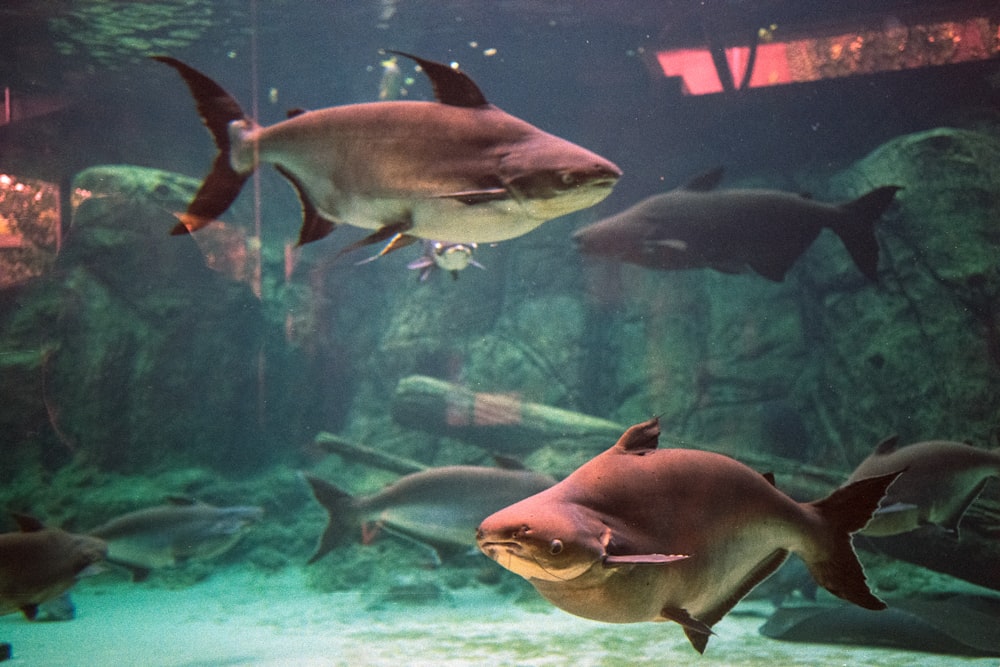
(568, 178)
(555, 547)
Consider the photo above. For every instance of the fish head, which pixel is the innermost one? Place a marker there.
(452, 256)
(551, 542)
(625, 237)
(551, 177)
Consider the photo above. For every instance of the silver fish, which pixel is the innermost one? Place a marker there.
(458, 170)
(439, 506)
(164, 535)
(941, 480)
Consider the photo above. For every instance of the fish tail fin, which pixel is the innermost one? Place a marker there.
(339, 505)
(858, 232)
(844, 512)
(217, 109)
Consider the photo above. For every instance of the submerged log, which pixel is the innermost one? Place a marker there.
(359, 453)
(498, 422)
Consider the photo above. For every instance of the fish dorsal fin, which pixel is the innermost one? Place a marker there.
(451, 86)
(508, 463)
(769, 476)
(295, 111)
(28, 523)
(887, 445)
(641, 438)
(705, 182)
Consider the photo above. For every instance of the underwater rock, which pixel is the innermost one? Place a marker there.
(142, 353)
(920, 353)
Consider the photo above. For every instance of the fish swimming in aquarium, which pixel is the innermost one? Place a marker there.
(457, 170)
(697, 226)
(164, 535)
(451, 257)
(38, 564)
(941, 480)
(641, 534)
(439, 507)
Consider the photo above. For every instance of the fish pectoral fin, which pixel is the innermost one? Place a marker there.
(643, 559)
(30, 611)
(472, 197)
(697, 631)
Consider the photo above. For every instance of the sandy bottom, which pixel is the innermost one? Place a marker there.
(236, 618)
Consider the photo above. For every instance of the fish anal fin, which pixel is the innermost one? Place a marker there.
(705, 182)
(641, 438)
(314, 226)
(643, 559)
(951, 522)
(697, 631)
(451, 86)
(764, 569)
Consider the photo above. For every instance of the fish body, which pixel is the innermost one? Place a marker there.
(458, 170)
(164, 535)
(942, 479)
(439, 506)
(39, 564)
(640, 534)
(766, 231)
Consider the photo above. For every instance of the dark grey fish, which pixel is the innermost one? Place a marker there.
(164, 535)
(957, 625)
(697, 226)
(439, 506)
(458, 170)
(39, 564)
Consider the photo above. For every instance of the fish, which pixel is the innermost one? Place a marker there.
(958, 624)
(643, 534)
(165, 535)
(942, 479)
(731, 231)
(458, 170)
(451, 257)
(438, 506)
(38, 564)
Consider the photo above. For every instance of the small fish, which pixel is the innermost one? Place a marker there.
(641, 534)
(941, 480)
(696, 226)
(164, 535)
(440, 506)
(452, 257)
(39, 564)
(458, 170)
